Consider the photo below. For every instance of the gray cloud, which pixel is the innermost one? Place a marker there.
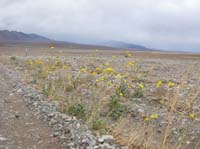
(169, 24)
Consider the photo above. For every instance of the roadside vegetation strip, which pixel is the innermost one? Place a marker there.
(72, 133)
(131, 99)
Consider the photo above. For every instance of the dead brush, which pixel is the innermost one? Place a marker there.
(137, 137)
(170, 119)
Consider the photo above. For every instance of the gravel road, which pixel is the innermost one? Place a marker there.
(19, 126)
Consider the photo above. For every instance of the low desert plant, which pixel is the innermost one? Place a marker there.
(115, 108)
(138, 93)
(77, 110)
(98, 124)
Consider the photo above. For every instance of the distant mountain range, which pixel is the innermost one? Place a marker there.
(122, 45)
(20, 37)
(13, 36)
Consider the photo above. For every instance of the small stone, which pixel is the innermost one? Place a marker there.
(17, 116)
(78, 126)
(106, 138)
(124, 147)
(2, 139)
(188, 142)
(65, 117)
(159, 131)
(50, 115)
(53, 122)
(141, 112)
(63, 137)
(96, 147)
(107, 146)
(56, 134)
(100, 140)
(19, 90)
(11, 94)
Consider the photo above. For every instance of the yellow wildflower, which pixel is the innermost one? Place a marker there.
(171, 84)
(191, 116)
(116, 85)
(30, 62)
(94, 73)
(147, 119)
(129, 54)
(102, 79)
(39, 62)
(154, 116)
(131, 64)
(107, 64)
(124, 81)
(118, 76)
(58, 63)
(113, 57)
(132, 79)
(121, 94)
(141, 86)
(83, 70)
(109, 83)
(159, 84)
(139, 75)
(109, 70)
(136, 69)
(64, 67)
(97, 69)
(126, 75)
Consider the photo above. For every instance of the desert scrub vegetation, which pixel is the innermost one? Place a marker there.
(143, 103)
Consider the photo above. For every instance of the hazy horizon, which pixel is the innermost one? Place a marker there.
(165, 25)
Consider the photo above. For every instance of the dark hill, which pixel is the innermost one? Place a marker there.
(14, 36)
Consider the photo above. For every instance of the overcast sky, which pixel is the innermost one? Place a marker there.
(161, 24)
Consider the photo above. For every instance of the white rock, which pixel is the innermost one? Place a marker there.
(100, 140)
(106, 138)
(11, 94)
(2, 139)
(124, 147)
(19, 90)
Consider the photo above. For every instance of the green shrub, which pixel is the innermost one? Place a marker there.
(48, 89)
(77, 110)
(98, 124)
(123, 88)
(138, 93)
(115, 108)
(13, 58)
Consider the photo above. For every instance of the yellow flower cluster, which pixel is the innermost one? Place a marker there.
(39, 62)
(83, 70)
(118, 76)
(141, 86)
(30, 62)
(171, 84)
(130, 64)
(153, 116)
(64, 67)
(159, 84)
(191, 116)
(108, 70)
